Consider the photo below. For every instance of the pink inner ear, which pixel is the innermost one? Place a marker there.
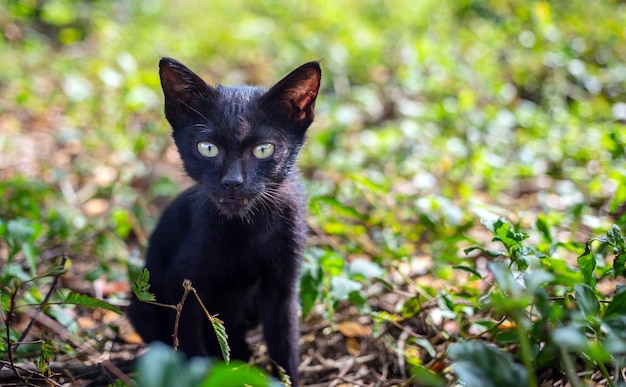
(305, 93)
(304, 99)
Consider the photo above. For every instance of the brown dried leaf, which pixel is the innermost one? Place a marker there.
(131, 337)
(354, 329)
(86, 322)
(353, 346)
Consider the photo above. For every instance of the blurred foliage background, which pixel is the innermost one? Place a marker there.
(428, 110)
(432, 116)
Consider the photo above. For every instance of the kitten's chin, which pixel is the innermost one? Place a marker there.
(234, 207)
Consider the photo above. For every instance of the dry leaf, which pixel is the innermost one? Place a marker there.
(86, 323)
(131, 337)
(354, 329)
(108, 316)
(438, 367)
(353, 346)
(507, 324)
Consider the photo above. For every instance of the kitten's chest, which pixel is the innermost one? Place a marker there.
(224, 252)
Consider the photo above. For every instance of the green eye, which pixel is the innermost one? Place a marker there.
(263, 151)
(207, 149)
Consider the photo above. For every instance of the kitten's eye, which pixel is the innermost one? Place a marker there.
(207, 149)
(263, 151)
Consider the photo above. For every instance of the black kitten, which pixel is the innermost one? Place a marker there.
(238, 234)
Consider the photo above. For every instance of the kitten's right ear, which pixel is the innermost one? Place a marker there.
(181, 87)
(295, 94)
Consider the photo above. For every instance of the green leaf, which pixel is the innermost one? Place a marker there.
(46, 352)
(543, 227)
(614, 237)
(411, 307)
(225, 375)
(619, 264)
(489, 252)
(340, 209)
(423, 377)
(570, 339)
(481, 365)
(141, 286)
(491, 224)
(310, 284)
(615, 345)
(365, 269)
(616, 326)
(587, 265)
(122, 220)
(467, 269)
(5, 301)
(617, 307)
(285, 380)
(162, 367)
(88, 301)
(367, 183)
(341, 287)
(332, 263)
(31, 253)
(54, 271)
(504, 233)
(427, 345)
(521, 260)
(222, 337)
(504, 278)
(587, 300)
(536, 279)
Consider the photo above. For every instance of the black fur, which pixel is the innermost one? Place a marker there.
(238, 234)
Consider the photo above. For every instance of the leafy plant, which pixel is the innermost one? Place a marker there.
(141, 289)
(327, 277)
(535, 300)
(20, 292)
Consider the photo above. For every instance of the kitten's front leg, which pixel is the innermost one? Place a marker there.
(281, 329)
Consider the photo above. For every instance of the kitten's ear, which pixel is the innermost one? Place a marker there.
(181, 87)
(295, 94)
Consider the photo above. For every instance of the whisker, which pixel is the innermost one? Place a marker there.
(194, 110)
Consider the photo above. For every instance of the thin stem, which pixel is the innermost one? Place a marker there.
(526, 353)
(179, 309)
(569, 368)
(193, 290)
(175, 307)
(605, 373)
(7, 321)
(619, 362)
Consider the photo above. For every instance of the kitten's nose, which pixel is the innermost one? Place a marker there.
(232, 181)
(233, 178)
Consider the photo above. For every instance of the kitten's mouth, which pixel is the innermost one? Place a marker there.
(234, 206)
(234, 202)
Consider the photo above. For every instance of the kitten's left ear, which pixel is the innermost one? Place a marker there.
(295, 94)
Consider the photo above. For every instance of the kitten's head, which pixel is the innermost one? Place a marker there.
(239, 143)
